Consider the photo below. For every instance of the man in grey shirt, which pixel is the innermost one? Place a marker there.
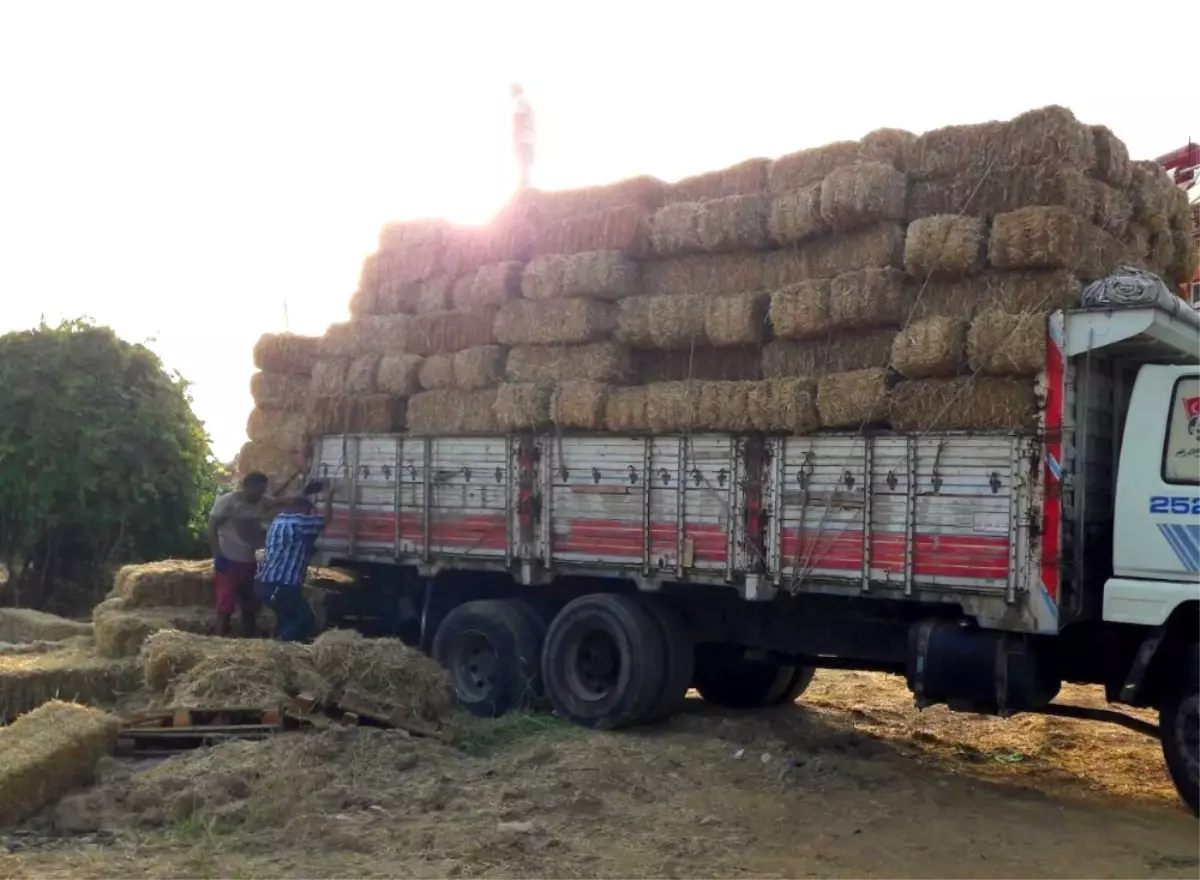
(236, 530)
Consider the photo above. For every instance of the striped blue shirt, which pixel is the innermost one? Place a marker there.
(289, 544)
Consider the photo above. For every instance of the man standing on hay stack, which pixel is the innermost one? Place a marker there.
(280, 582)
(523, 135)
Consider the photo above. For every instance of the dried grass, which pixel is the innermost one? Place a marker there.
(277, 462)
(49, 751)
(450, 332)
(1003, 190)
(378, 414)
(69, 672)
(841, 352)
(734, 223)
(962, 404)
(784, 405)
(867, 298)
(782, 268)
(739, 363)
(739, 319)
(1037, 238)
(606, 275)
(796, 215)
(285, 353)
(492, 285)
(398, 374)
(743, 179)
(871, 247)
(801, 310)
(279, 390)
(1003, 344)
(329, 377)
(479, 367)
(579, 405)
(1151, 191)
(19, 626)
(888, 145)
(552, 322)
(1005, 291)
(625, 409)
(859, 195)
(170, 582)
(854, 399)
(436, 372)
(675, 229)
(932, 347)
(788, 359)
(452, 412)
(1113, 209)
(604, 362)
(410, 233)
(624, 229)
(945, 246)
(330, 415)
(551, 206)
(806, 167)
(523, 406)
(362, 374)
(703, 273)
(1112, 157)
(121, 631)
(380, 334)
(721, 406)
(673, 322)
(428, 296)
(276, 426)
(671, 406)
(195, 670)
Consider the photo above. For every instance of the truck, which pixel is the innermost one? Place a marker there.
(608, 574)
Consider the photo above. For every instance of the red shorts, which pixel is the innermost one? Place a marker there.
(235, 586)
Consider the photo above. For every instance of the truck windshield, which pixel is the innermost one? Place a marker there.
(1181, 456)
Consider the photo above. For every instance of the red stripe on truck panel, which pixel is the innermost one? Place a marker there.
(604, 537)
(475, 531)
(971, 556)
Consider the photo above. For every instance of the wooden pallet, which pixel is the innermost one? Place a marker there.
(173, 730)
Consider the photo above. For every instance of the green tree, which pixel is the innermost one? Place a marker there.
(102, 460)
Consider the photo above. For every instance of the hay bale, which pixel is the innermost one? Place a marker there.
(19, 626)
(1112, 157)
(800, 311)
(867, 298)
(49, 751)
(579, 405)
(721, 406)
(806, 167)
(954, 150)
(554, 205)
(428, 296)
(379, 334)
(786, 358)
(548, 322)
(796, 215)
(671, 406)
(675, 229)
(362, 374)
(624, 228)
(1161, 252)
(597, 274)
(186, 667)
(933, 347)
(285, 353)
(854, 399)
(870, 247)
(403, 234)
(738, 319)
(329, 377)
(436, 372)
(1113, 209)
(672, 322)
(738, 363)
(452, 412)
(397, 374)
(604, 362)
(266, 457)
(330, 415)
(625, 409)
(121, 630)
(1003, 344)
(1002, 190)
(968, 403)
(1187, 258)
(1151, 191)
(492, 285)
(782, 268)
(1005, 291)
(859, 195)
(703, 273)
(1037, 238)
(72, 672)
(170, 582)
(945, 246)
(279, 390)
(523, 406)
(734, 223)
(743, 179)
(378, 414)
(841, 352)
(276, 426)
(633, 321)
(479, 367)
(888, 145)
(450, 332)
(783, 405)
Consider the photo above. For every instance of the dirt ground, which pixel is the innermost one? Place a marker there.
(851, 782)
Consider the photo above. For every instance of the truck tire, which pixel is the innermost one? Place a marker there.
(679, 650)
(1179, 724)
(603, 661)
(493, 654)
(743, 684)
(802, 677)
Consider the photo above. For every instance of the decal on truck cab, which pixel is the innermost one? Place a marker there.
(1184, 540)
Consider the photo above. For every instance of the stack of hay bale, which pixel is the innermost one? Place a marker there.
(280, 388)
(899, 280)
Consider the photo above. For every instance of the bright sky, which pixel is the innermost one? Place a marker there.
(195, 174)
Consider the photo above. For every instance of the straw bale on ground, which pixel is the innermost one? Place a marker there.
(857, 195)
(806, 167)
(801, 310)
(734, 223)
(1006, 291)
(329, 377)
(194, 669)
(1003, 190)
(966, 403)
(479, 367)
(945, 246)
(870, 247)
(704, 363)
(49, 751)
(69, 672)
(854, 399)
(285, 353)
(436, 372)
(841, 352)
(738, 319)
(398, 374)
(523, 406)
(275, 425)
(1150, 190)
(452, 412)
(795, 215)
(1037, 238)
(703, 273)
(867, 298)
(553, 322)
(625, 409)
(579, 405)
(1003, 344)
(596, 274)
(784, 405)
(624, 229)
(448, 332)
(932, 347)
(604, 362)
(492, 285)
(121, 630)
(169, 582)
(1112, 157)
(889, 145)
(675, 229)
(362, 374)
(279, 390)
(19, 626)
(743, 179)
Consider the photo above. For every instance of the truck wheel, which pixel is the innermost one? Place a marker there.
(680, 654)
(743, 684)
(492, 653)
(602, 663)
(1179, 724)
(801, 678)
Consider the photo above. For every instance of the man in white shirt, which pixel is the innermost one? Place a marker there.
(524, 137)
(236, 532)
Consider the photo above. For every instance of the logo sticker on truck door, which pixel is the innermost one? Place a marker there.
(1181, 456)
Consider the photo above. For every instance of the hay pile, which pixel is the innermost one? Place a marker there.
(169, 582)
(67, 670)
(281, 390)
(19, 626)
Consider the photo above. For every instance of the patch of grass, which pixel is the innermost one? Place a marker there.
(483, 736)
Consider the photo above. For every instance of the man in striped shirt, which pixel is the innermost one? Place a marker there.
(280, 581)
